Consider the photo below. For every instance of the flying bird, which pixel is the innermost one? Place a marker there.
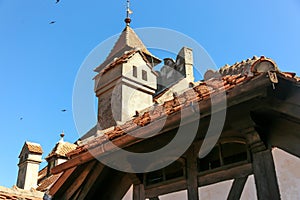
(52, 22)
(57, 1)
(21, 118)
(63, 110)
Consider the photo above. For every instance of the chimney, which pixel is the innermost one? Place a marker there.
(29, 164)
(185, 62)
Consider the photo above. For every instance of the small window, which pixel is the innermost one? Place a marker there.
(134, 71)
(144, 75)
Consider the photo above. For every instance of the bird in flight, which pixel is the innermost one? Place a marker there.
(52, 22)
(63, 110)
(21, 118)
(57, 1)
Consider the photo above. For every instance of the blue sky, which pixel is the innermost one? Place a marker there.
(39, 61)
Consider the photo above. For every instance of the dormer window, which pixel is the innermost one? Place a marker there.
(134, 71)
(144, 75)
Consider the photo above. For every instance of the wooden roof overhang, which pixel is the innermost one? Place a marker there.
(271, 108)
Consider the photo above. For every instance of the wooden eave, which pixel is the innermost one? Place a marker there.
(83, 173)
(240, 93)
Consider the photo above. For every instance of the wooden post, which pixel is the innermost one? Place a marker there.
(265, 176)
(192, 180)
(237, 188)
(263, 167)
(138, 192)
(90, 181)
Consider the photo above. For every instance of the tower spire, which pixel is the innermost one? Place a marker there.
(128, 13)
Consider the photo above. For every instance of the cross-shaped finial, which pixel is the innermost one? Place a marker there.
(128, 12)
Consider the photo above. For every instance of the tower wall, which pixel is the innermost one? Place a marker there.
(28, 170)
(123, 90)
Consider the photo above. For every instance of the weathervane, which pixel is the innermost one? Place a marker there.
(128, 12)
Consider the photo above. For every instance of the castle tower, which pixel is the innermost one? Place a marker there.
(29, 163)
(126, 80)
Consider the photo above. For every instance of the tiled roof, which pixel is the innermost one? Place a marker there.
(61, 149)
(42, 174)
(128, 40)
(47, 183)
(123, 59)
(230, 77)
(32, 147)
(19, 194)
(245, 68)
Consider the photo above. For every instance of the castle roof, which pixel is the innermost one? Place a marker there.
(61, 149)
(32, 148)
(127, 41)
(236, 80)
(19, 194)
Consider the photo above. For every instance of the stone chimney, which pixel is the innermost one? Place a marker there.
(177, 71)
(29, 163)
(185, 62)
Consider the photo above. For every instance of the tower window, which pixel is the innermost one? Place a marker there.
(134, 71)
(144, 75)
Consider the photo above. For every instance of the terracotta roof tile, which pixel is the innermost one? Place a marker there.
(42, 174)
(123, 59)
(48, 182)
(34, 147)
(19, 194)
(231, 76)
(61, 149)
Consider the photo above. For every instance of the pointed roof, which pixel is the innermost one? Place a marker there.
(128, 38)
(61, 149)
(32, 148)
(127, 41)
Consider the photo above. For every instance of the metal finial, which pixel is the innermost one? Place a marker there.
(128, 13)
(62, 135)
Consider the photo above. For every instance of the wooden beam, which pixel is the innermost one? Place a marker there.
(263, 166)
(83, 158)
(123, 187)
(192, 180)
(115, 186)
(134, 178)
(78, 182)
(138, 192)
(154, 198)
(61, 180)
(91, 180)
(265, 176)
(166, 188)
(240, 93)
(237, 188)
(225, 174)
